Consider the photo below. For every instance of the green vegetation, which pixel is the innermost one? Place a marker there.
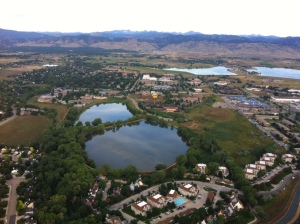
(280, 176)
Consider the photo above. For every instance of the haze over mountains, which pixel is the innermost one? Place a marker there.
(153, 41)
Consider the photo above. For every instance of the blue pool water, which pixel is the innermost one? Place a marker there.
(179, 201)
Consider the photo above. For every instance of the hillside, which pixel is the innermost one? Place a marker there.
(150, 41)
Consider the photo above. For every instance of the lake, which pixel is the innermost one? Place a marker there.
(142, 145)
(107, 112)
(277, 72)
(218, 70)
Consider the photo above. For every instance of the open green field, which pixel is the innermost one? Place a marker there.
(60, 108)
(234, 133)
(23, 130)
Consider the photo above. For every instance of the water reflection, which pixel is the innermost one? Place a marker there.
(142, 145)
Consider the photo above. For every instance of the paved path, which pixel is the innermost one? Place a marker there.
(11, 215)
(10, 118)
(104, 195)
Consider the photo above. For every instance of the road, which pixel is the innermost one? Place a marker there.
(155, 188)
(268, 177)
(10, 118)
(281, 186)
(11, 214)
(104, 195)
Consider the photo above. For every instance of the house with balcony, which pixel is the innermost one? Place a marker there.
(223, 170)
(157, 201)
(141, 208)
(288, 158)
(188, 190)
(201, 167)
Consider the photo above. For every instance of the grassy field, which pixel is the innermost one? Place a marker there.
(277, 207)
(60, 108)
(23, 130)
(233, 132)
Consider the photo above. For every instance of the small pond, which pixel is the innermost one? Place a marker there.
(141, 145)
(218, 70)
(277, 72)
(107, 112)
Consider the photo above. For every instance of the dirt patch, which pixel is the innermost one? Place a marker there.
(220, 105)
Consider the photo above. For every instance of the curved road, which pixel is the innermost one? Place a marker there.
(281, 185)
(155, 188)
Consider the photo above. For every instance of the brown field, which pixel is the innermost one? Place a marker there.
(6, 73)
(23, 130)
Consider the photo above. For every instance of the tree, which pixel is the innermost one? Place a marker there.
(20, 206)
(97, 121)
(213, 167)
(158, 176)
(181, 160)
(118, 172)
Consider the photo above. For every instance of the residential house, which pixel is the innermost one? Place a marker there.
(269, 158)
(113, 219)
(223, 181)
(285, 128)
(172, 194)
(288, 158)
(201, 167)
(250, 173)
(157, 201)
(223, 170)
(235, 203)
(262, 165)
(297, 150)
(188, 190)
(141, 208)
(221, 83)
(287, 122)
(281, 136)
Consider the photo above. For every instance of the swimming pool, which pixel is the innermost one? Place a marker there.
(179, 201)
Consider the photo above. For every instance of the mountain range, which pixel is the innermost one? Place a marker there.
(153, 41)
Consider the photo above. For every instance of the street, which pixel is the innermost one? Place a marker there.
(12, 200)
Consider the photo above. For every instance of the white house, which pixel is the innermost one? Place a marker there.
(188, 190)
(223, 170)
(157, 201)
(141, 208)
(288, 158)
(201, 167)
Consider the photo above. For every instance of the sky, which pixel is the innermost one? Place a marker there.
(238, 17)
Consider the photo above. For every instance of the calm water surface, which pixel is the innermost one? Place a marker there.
(107, 112)
(277, 72)
(142, 145)
(218, 70)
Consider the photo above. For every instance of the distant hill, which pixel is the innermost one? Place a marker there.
(11, 34)
(149, 41)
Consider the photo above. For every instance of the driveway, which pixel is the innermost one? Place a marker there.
(11, 214)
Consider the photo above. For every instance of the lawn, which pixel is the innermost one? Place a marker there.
(23, 130)
(234, 133)
(60, 108)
